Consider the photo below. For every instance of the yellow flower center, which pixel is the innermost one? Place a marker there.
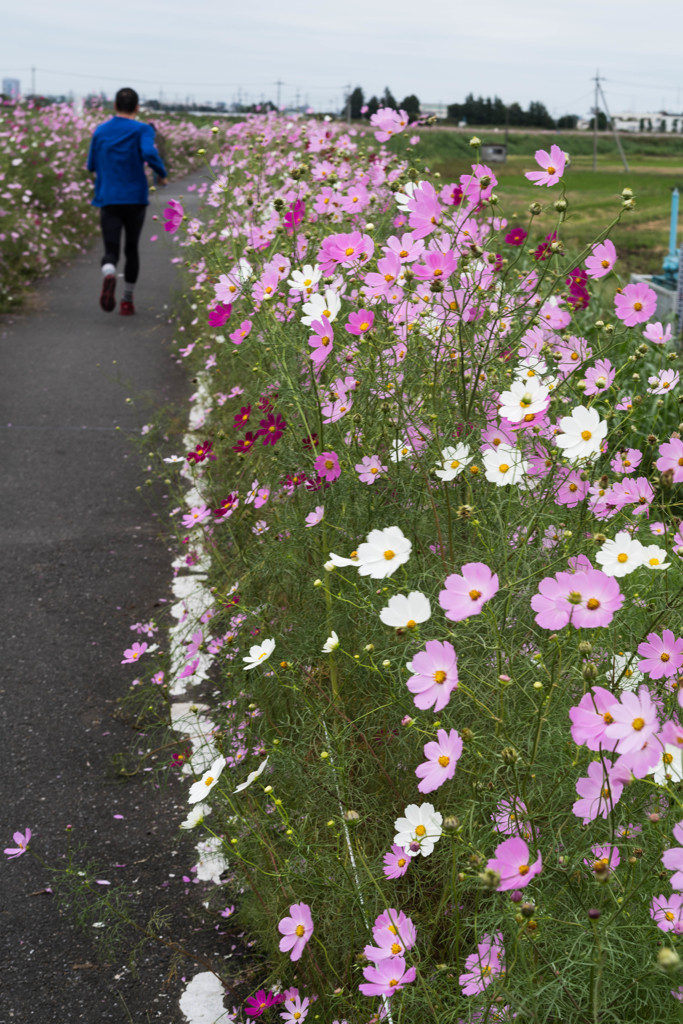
(592, 603)
(403, 253)
(523, 869)
(389, 555)
(503, 467)
(393, 982)
(604, 263)
(669, 916)
(395, 948)
(420, 831)
(392, 929)
(374, 469)
(401, 862)
(667, 758)
(550, 170)
(654, 561)
(308, 281)
(300, 930)
(350, 251)
(208, 780)
(637, 306)
(454, 464)
(411, 623)
(607, 718)
(475, 595)
(664, 656)
(586, 435)
(327, 312)
(329, 464)
(364, 326)
(622, 558)
(638, 723)
(444, 761)
(440, 676)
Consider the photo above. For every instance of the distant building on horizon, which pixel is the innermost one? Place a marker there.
(630, 121)
(11, 87)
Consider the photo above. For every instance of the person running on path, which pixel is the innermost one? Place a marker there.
(119, 149)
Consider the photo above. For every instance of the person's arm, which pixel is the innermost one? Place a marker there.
(91, 157)
(150, 153)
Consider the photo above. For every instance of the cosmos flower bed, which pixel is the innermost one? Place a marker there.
(435, 484)
(45, 190)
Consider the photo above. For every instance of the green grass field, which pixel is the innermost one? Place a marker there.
(656, 165)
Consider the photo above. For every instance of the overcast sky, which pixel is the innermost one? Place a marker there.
(521, 50)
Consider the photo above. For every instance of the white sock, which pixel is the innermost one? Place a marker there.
(107, 269)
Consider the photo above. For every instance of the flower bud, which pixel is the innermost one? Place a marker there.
(475, 142)
(668, 959)
(516, 896)
(560, 205)
(585, 647)
(351, 817)
(535, 209)
(490, 879)
(509, 755)
(527, 909)
(594, 913)
(451, 823)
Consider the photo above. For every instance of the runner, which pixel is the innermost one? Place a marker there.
(118, 152)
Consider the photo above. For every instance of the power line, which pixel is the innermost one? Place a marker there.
(157, 81)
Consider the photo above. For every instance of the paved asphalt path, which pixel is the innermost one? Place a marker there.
(79, 562)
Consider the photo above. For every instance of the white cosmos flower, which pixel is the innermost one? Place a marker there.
(303, 280)
(621, 556)
(400, 451)
(322, 306)
(669, 768)
(257, 654)
(504, 465)
(199, 789)
(524, 399)
(654, 557)
(383, 552)
(331, 644)
(251, 776)
(196, 815)
(174, 458)
(582, 434)
(338, 561)
(403, 612)
(454, 460)
(418, 830)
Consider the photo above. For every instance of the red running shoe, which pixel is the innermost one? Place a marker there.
(108, 293)
(127, 308)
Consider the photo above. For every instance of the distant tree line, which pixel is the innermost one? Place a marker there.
(480, 110)
(362, 108)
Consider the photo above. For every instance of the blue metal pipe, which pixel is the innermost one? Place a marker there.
(673, 248)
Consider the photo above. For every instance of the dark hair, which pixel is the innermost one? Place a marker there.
(126, 101)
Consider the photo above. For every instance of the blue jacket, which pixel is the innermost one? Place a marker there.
(119, 150)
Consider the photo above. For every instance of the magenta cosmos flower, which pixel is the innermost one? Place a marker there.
(387, 977)
(360, 323)
(601, 260)
(296, 929)
(442, 757)
(327, 466)
(435, 675)
(511, 861)
(552, 165)
(256, 1004)
(671, 458)
(173, 215)
(466, 594)
(587, 598)
(635, 304)
(220, 314)
(661, 656)
(22, 839)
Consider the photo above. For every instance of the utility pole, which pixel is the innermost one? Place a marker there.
(614, 131)
(348, 103)
(595, 121)
(278, 84)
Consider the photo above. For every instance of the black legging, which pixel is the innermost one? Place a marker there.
(113, 219)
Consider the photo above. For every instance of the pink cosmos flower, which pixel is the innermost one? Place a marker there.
(22, 839)
(671, 458)
(313, 518)
(510, 818)
(599, 792)
(511, 861)
(661, 656)
(296, 929)
(663, 382)
(393, 934)
(321, 342)
(296, 1010)
(242, 332)
(657, 334)
(478, 186)
(327, 466)
(407, 248)
(635, 304)
(435, 675)
(627, 462)
(552, 164)
(442, 757)
(634, 720)
(586, 598)
(673, 859)
(360, 323)
(667, 913)
(370, 468)
(572, 489)
(599, 378)
(591, 716)
(219, 315)
(173, 215)
(466, 594)
(435, 266)
(387, 977)
(605, 859)
(482, 966)
(196, 515)
(396, 862)
(517, 236)
(134, 653)
(601, 260)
